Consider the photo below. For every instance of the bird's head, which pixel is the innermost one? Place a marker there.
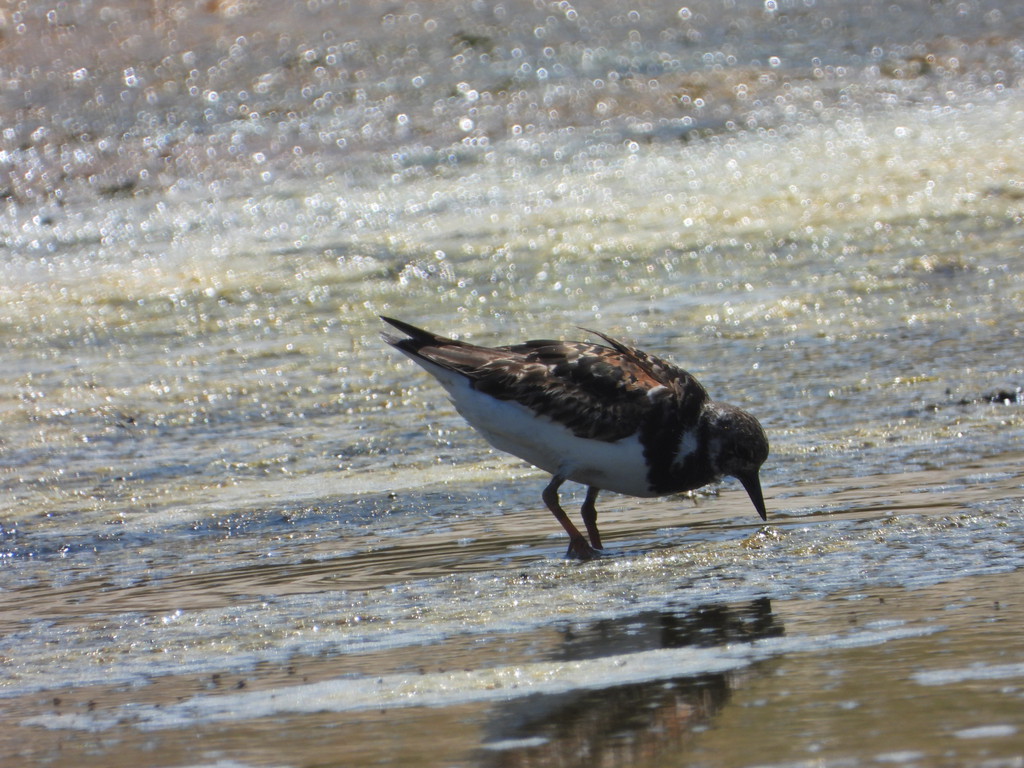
(738, 449)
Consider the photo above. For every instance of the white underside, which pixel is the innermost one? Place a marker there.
(508, 426)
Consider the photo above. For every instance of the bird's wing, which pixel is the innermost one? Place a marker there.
(596, 391)
(600, 392)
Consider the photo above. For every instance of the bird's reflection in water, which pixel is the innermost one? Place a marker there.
(626, 725)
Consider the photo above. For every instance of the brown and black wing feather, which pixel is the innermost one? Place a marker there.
(596, 391)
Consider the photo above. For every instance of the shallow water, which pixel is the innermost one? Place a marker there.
(236, 530)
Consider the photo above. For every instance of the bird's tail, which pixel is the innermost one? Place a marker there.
(417, 335)
(454, 355)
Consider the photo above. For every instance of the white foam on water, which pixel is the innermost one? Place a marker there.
(969, 673)
(509, 744)
(451, 688)
(986, 732)
(896, 758)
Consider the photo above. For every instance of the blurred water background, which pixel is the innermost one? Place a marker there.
(235, 530)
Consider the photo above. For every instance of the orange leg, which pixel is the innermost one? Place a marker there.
(578, 546)
(589, 512)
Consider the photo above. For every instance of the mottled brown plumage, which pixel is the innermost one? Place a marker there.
(612, 417)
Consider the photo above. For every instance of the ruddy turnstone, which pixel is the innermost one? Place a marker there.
(611, 417)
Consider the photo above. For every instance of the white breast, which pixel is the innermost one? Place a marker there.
(508, 426)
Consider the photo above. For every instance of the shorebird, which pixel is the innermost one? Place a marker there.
(610, 417)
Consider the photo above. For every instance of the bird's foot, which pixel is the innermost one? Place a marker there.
(579, 549)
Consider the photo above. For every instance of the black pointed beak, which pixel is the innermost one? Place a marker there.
(753, 485)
